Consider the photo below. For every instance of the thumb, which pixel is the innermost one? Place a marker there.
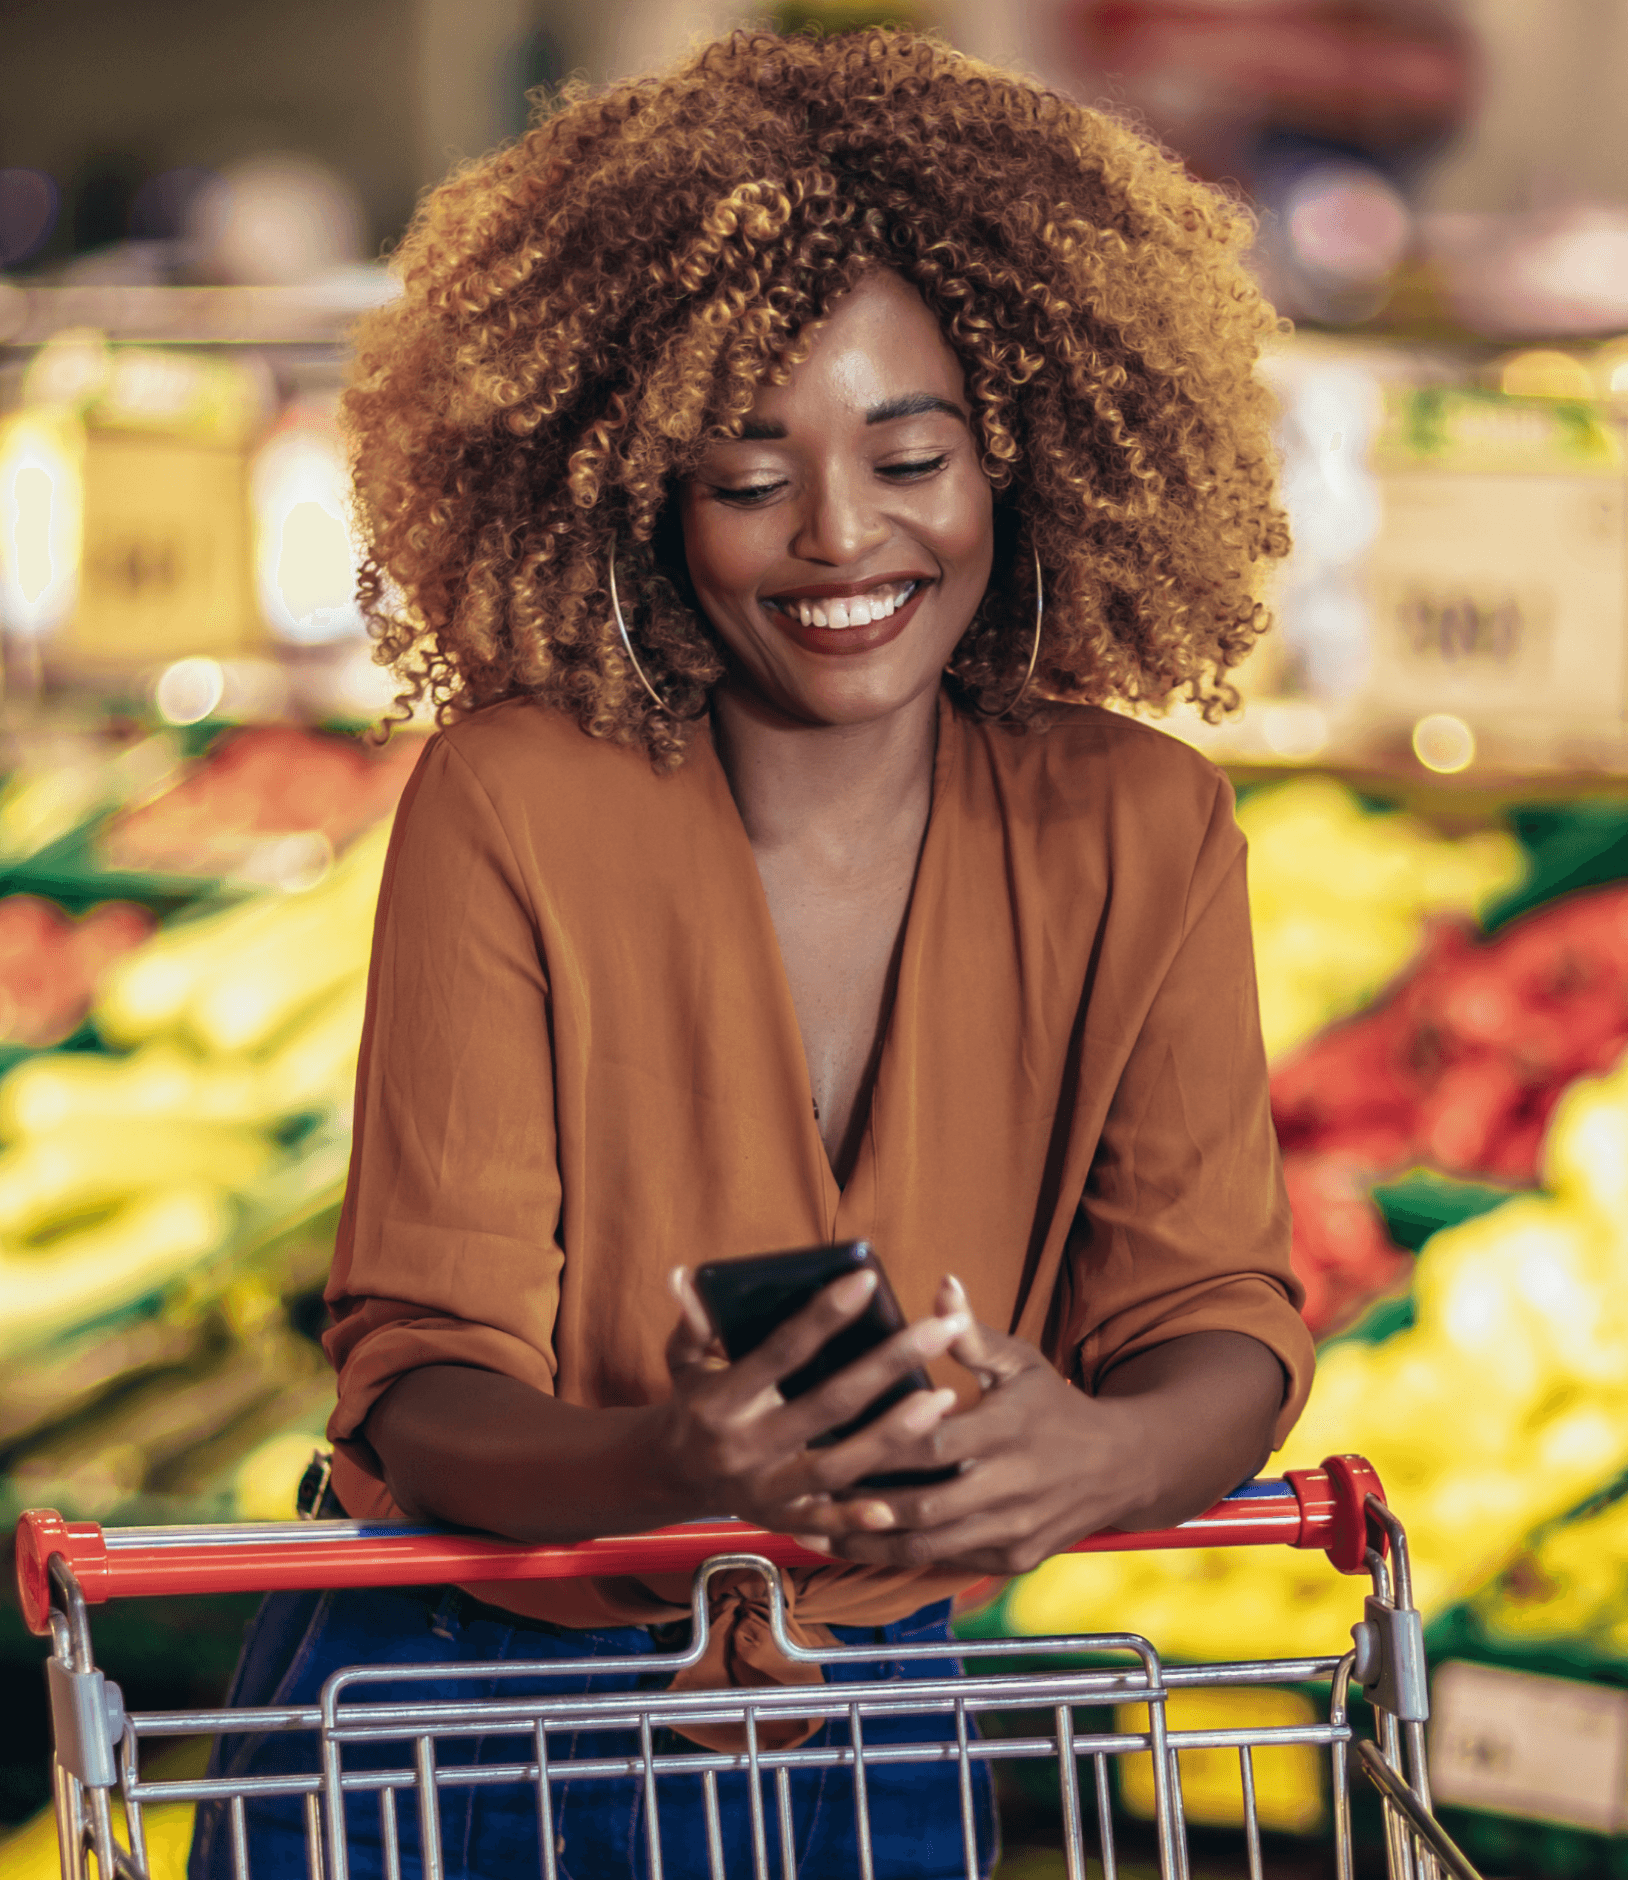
(693, 1340)
(991, 1357)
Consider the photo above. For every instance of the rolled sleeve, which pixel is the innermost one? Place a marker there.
(1184, 1225)
(448, 1249)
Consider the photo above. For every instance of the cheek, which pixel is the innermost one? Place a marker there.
(719, 549)
(964, 530)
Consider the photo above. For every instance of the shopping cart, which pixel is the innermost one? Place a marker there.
(1017, 1702)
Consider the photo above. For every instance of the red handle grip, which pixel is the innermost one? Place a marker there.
(1309, 1508)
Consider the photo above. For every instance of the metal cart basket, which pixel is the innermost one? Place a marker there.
(1001, 1710)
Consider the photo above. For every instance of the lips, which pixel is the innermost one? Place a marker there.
(811, 621)
(839, 612)
(847, 617)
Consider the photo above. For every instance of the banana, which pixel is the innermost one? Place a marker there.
(135, 1251)
(58, 1089)
(316, 1068)
(236, 978)
(49, 1180)
(320, 940)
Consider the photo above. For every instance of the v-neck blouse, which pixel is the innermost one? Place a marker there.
(581, 1066)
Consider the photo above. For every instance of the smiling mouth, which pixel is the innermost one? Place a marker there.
(849, 610)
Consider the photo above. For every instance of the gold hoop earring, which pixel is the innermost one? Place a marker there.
(627, 643)
(1034, 651)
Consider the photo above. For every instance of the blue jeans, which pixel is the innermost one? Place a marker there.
(298, 1640)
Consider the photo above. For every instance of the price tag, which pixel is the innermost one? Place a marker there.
(1512, 1743)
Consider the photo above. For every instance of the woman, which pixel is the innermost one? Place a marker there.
(753, 454)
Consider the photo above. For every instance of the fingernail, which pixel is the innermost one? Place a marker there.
(928, 1410)
(855, 1289)
(877, 1514)
(815, 1543)
(675, 1282)
(939, 1334)
(959, 1290)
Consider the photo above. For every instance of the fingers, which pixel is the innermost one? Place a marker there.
(790, 1346)
(1000, 1538)
(817, 1492)
(858, 1385)
(692, 1343)
(990, 1356)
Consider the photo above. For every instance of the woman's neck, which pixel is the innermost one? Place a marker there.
(838, 792)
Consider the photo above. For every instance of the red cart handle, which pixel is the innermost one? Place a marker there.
(1308, 1508)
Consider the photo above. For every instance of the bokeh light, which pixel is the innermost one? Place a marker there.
(305, 561)
(189, 690)
(275, 221)
(41, 520)
(1347, 224)
(1443, 743)
(1294, 731)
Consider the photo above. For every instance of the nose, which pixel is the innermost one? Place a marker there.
(838, 523)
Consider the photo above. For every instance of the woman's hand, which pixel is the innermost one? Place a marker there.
(1043, 1464)
(731, 1444)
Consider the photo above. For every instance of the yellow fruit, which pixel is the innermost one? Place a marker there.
(1504, 1405)
(1288, 1777)
(1585, 1154)
(320, 941)
(31, 1853)
(95, 1271)
(146, 992)
(235, 979)
(62, 1089)
(266, 1481)
(52, 1179)
(315, 1068)
(1339, 897)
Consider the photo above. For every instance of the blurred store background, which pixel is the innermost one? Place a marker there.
(1432, 764)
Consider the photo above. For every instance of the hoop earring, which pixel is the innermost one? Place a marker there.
(627, 644)
(1034, 651)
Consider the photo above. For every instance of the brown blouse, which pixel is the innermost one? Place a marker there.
(581, 1066)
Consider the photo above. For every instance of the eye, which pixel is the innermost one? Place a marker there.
(915, 469)
(747, 496)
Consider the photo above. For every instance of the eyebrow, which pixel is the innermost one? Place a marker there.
(913, 405)
(908, 405)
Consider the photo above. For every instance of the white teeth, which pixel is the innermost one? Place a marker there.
(862, 611)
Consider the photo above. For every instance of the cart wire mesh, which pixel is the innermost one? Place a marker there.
(384, 1765)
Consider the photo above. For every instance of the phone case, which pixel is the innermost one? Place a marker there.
(747, 1298)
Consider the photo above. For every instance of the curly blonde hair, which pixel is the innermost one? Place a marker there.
(586, 310)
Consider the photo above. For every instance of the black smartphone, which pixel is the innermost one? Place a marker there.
(747, 1298)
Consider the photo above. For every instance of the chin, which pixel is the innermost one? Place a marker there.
(856, 702)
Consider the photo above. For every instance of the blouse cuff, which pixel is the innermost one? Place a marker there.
(371, 1365)
(1250, 1304)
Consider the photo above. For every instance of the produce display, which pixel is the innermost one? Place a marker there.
(50, 963)
(1503, 1404)
(166, 1199)
(1459, 1069)
(1462, 1065)
(265, 781)
(1567, 1587)
(168, 1189)
(1342, 898)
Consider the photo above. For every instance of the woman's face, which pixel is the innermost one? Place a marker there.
(842, 543)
